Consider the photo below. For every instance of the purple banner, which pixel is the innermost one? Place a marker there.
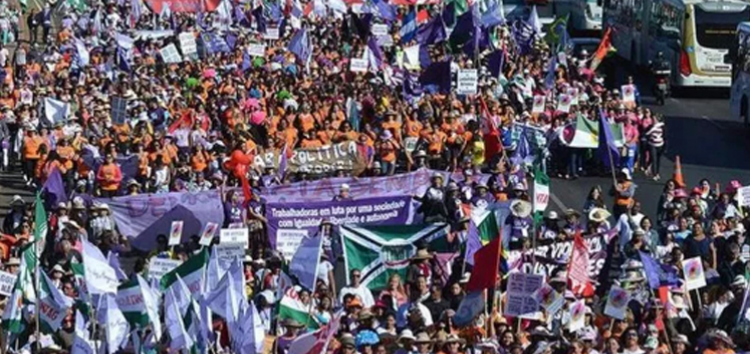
(143, 217)
(289, 222)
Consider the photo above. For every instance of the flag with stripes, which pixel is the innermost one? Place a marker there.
(379, 251)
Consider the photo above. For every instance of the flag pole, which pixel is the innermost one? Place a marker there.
(38, 343)
(609, 152)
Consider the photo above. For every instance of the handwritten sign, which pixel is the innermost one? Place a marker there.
(288, 240)
(207, 236)
(358, 65)
(256, 50)
(157, 267)
(521, 288)
(234, 236)
(175, 233)
(467, 82)
(188, 44)
(7, 281)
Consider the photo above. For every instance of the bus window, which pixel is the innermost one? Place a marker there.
(716, 29)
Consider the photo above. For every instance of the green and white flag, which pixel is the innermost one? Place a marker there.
(13, 314)
(191, 271)
(379, 251)
(486, 221)
(586, 134)
(40, 224)
(99, 275)
(290, 307)
(541, 191)
(53, 304)
(130, 300)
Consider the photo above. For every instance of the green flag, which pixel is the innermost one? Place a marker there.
(40, 219)
(541, 191)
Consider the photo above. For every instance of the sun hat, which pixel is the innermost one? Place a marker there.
(422, 254)
(739, 282)
(722, 336)
(680, 338)
(17, 201)
(406, 335)
(520, 208)
(422, 337)
(598, 215)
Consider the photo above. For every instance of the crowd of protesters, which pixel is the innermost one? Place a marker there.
(186, 123)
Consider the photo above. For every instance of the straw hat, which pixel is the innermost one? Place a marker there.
(520, 208)
(422, 254)
(406, 335)
(680, 338)
(347, 340)
(291, 323)
(739, 282)
(452, 338)
(722, 336)
(13, 261)
(422, 337)
(598, 215)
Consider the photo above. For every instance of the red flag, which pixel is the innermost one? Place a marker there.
(578, 268)
(486, 266)
(664, 295)
(492, 144)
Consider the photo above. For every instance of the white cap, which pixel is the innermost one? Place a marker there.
(344, 187)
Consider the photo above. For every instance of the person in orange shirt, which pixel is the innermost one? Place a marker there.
(199, 160)
(387, 148)
(328, 133)
(109, 177)
(31, 154)
(305, 120)
(345, 133)
(309, 142)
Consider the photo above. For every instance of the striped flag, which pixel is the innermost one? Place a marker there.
(604, 49)
(409, 28)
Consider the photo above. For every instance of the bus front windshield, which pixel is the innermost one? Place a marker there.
(716, 29)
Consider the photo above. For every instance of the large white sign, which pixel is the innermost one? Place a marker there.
(521, 300)
(256, 50)
(271, 33)
(7, 281)
(235, 236)
(743, 196)
(157, 267)
(467, 82)
(288, 240)
(188, 44)
(170, 55)
(358, 65)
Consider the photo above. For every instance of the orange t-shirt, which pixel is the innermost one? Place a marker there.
(109, 177)
(31, 147)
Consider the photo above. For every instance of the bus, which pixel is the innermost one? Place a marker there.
(585, 15)
(739, 95)
(694, 35)
(521, 9)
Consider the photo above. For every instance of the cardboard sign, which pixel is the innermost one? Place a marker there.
(207, 236)
(228, 252)
(288, 240)
(521, 289)
(695, 277)
(549, 299)
(235, 236)
(628, 93)
(577, 316)
(188, 44)
(563, 103)
(175, 233)
(617, 303)
(157, 267)
(272, 33)
(467, 82)
(743, 196)
(256, 50)
(7, 281)
(358, 65)
(170, 55)
(539, 103)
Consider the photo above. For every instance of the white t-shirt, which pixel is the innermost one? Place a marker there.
(636, 351)
(364, 294)
(323, 270)
(403, 313)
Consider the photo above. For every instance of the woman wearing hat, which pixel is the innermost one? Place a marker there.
(282, 343)
(433, 201)
(520, 219)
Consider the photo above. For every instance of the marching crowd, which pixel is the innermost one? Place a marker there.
(97, 106)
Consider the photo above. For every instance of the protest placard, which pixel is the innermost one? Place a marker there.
(358, 65)
(256, 50)
(520, 298)
(617, 303)
(467, 82)
(379, 29)
(119, 110)
(170, 55)
(188, 44)
(695, 278)
(628, 93)
(7, 281)
(573, 93)
(577, 316)
(175, 233)
(549, 299)
(228, 252)
(288, 240)
(563, 103)
(743, 196)
(207, 236)
(272, 33)
(539, 102)
(157, 267)
(234, 236)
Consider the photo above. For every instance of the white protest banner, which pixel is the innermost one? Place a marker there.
(577, 316)
(55, 111)
(743, 196)
(520, 300)
(288, 240)
(256, 50)
(628, 93)
(228, 252)
(170, 55)
(235, 236)
(695, 278)
(563, 103)
(207, 236)
(379, 29)
(541, 192)
(539, 102)
(272, 33)
(119, 110)
(547, 297)
(7, 281)
(175, 233)
(617, 303)
(188, 44)
(358, 65)
(467, 82)
(157, 267)
(573, 93)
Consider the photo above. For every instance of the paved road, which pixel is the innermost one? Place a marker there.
(698, 129)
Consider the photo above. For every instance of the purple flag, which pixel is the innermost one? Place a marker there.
(283, 161)
(432, 32)
(473, 243)
(304, 264)
(246, 62)
(658, 274)
(437, 74)
(549, 80)
(495, 63)
(607, 143)
(385, 10)
(300, 45)
(376, 54)
(54, 189)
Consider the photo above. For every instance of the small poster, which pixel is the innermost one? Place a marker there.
(743, 196)
(539, 102)
(573, 93)
(119, 110)
(207, 236)
(256, 50)
(358, 65)
(617, 303)
(379, 29)
(520, 299)
(175, 233)
(272, 33)
(7, 281)
(577, 316)
(628, 93)
(187, 44)
(467, 82)
(235, 236)
(170, 55)
(157, 267)
(695, 278)
(563, 103)
(549, 299)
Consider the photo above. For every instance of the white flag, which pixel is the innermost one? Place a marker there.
(151, 303)
(100, 277)
(114, 322)
(180, 339)
(55, 110)
(255, 332)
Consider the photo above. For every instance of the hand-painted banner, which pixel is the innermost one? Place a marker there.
(281, 217)
(143, 217)
(553, 255)
(192, 6)
(327, 159)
